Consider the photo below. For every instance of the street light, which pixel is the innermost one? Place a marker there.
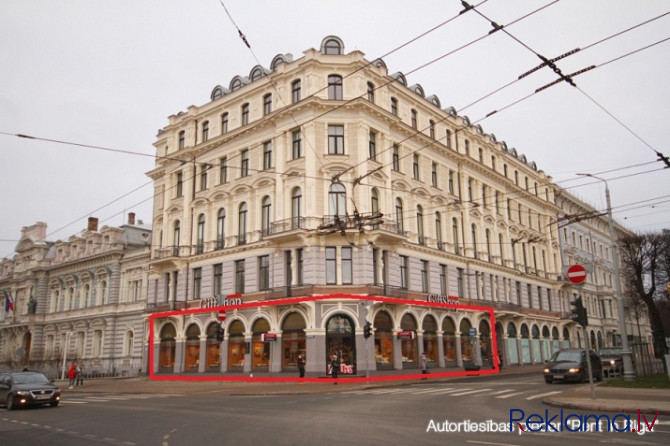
(628, 372)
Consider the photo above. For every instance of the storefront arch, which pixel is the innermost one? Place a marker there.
(293, 340)
(546, 343)
(192, 354)
(213, 357)
(340, 341)
(167, 348)
(260, 359)
(512, 344)
(449, 341)
(600, 340)
(430, 347)
(555, 342)
(383, 325)
(566, 337)
(485, 343)
(236, 350)
(535, 341)
(592, 346)
(409, 343)
(525, 344)
(467, 341)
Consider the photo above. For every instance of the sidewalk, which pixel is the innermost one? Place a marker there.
(607, 399)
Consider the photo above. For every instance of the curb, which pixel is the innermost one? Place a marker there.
(603, 406)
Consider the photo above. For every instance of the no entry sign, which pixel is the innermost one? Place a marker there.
(576, 274)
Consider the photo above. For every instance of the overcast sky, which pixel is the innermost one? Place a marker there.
(109, 73)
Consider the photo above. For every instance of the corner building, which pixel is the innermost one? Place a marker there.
(327, 175)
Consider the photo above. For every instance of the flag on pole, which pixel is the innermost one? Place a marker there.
(9, 304)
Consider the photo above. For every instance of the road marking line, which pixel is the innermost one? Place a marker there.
(503, 391)
(470, 392)
(510, 395)
(543, 394)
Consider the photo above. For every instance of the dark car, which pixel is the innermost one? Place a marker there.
(612, 360)
(22, 389)
(570, 366)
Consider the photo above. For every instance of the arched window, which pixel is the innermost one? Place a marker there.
(175, 238)
(337, 199)
(335, 87)
(200, 236)
(332, 46)
(419, 225)
(221, 229)
(266, 208)
(438, 229)
(242, 225)
(399, 215)
(296, 207)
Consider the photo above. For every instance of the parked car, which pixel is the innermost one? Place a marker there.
(22, 389)
(612, 360)
(570, 365)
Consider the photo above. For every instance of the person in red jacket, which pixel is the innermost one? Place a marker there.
(72, 375)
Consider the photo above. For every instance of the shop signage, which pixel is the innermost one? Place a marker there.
(442, 299)
(265, 337)
(406, 335)
(221, 300)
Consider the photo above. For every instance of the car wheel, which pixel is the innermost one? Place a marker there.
(54, 403)
(10, 403)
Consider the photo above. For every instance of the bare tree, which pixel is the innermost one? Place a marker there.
(642, 258)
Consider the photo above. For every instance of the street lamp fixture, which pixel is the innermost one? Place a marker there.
(628, 372)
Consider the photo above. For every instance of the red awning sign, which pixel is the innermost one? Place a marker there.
(576, 274)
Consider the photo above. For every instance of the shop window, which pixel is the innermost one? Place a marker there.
(383, 327)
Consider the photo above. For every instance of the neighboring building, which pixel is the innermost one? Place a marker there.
(82, 299)
(585, 240)
(327, 175)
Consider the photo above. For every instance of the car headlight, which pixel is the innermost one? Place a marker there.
(573, 370)
(612, 361)
(22, 393)
(546, 370)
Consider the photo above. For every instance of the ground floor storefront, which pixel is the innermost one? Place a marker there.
(269, 337)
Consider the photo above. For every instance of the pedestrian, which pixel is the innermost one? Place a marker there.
(334, 367)
(72, 375)
(423, 363)
(80, 377)
(301, 366)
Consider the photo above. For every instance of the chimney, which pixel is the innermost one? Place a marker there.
(92, 224)
(131, 218)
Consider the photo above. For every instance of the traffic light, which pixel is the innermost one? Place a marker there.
(219, 334)
(367, 329)
(579, 312)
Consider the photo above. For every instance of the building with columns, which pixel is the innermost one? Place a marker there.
(328, 175)
(82, 299)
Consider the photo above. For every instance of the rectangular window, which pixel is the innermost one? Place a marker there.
(263, 272)
(414, 118)
(245, 114)
(297, 144)
(434, 174)
(244, 163)
(295, 91)
(375, 266)
(267, 155)
(451, 182)
(372, 145)
(415, 166)
(182, 139)
(331, 265)
(218, 275)
(197, 283)
(223, 170)
(336, 140)
(443, 280)
(205, 131)
(347, 266)
(224, 123)
(180, 185)
(239, 276)
(203, 177)
(267, 104)
(394, 106)
(424, 276)
(299, 266)
(459, 282)
(404, 273)
(396, 158)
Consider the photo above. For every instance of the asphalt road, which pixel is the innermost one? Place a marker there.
(404, 415)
